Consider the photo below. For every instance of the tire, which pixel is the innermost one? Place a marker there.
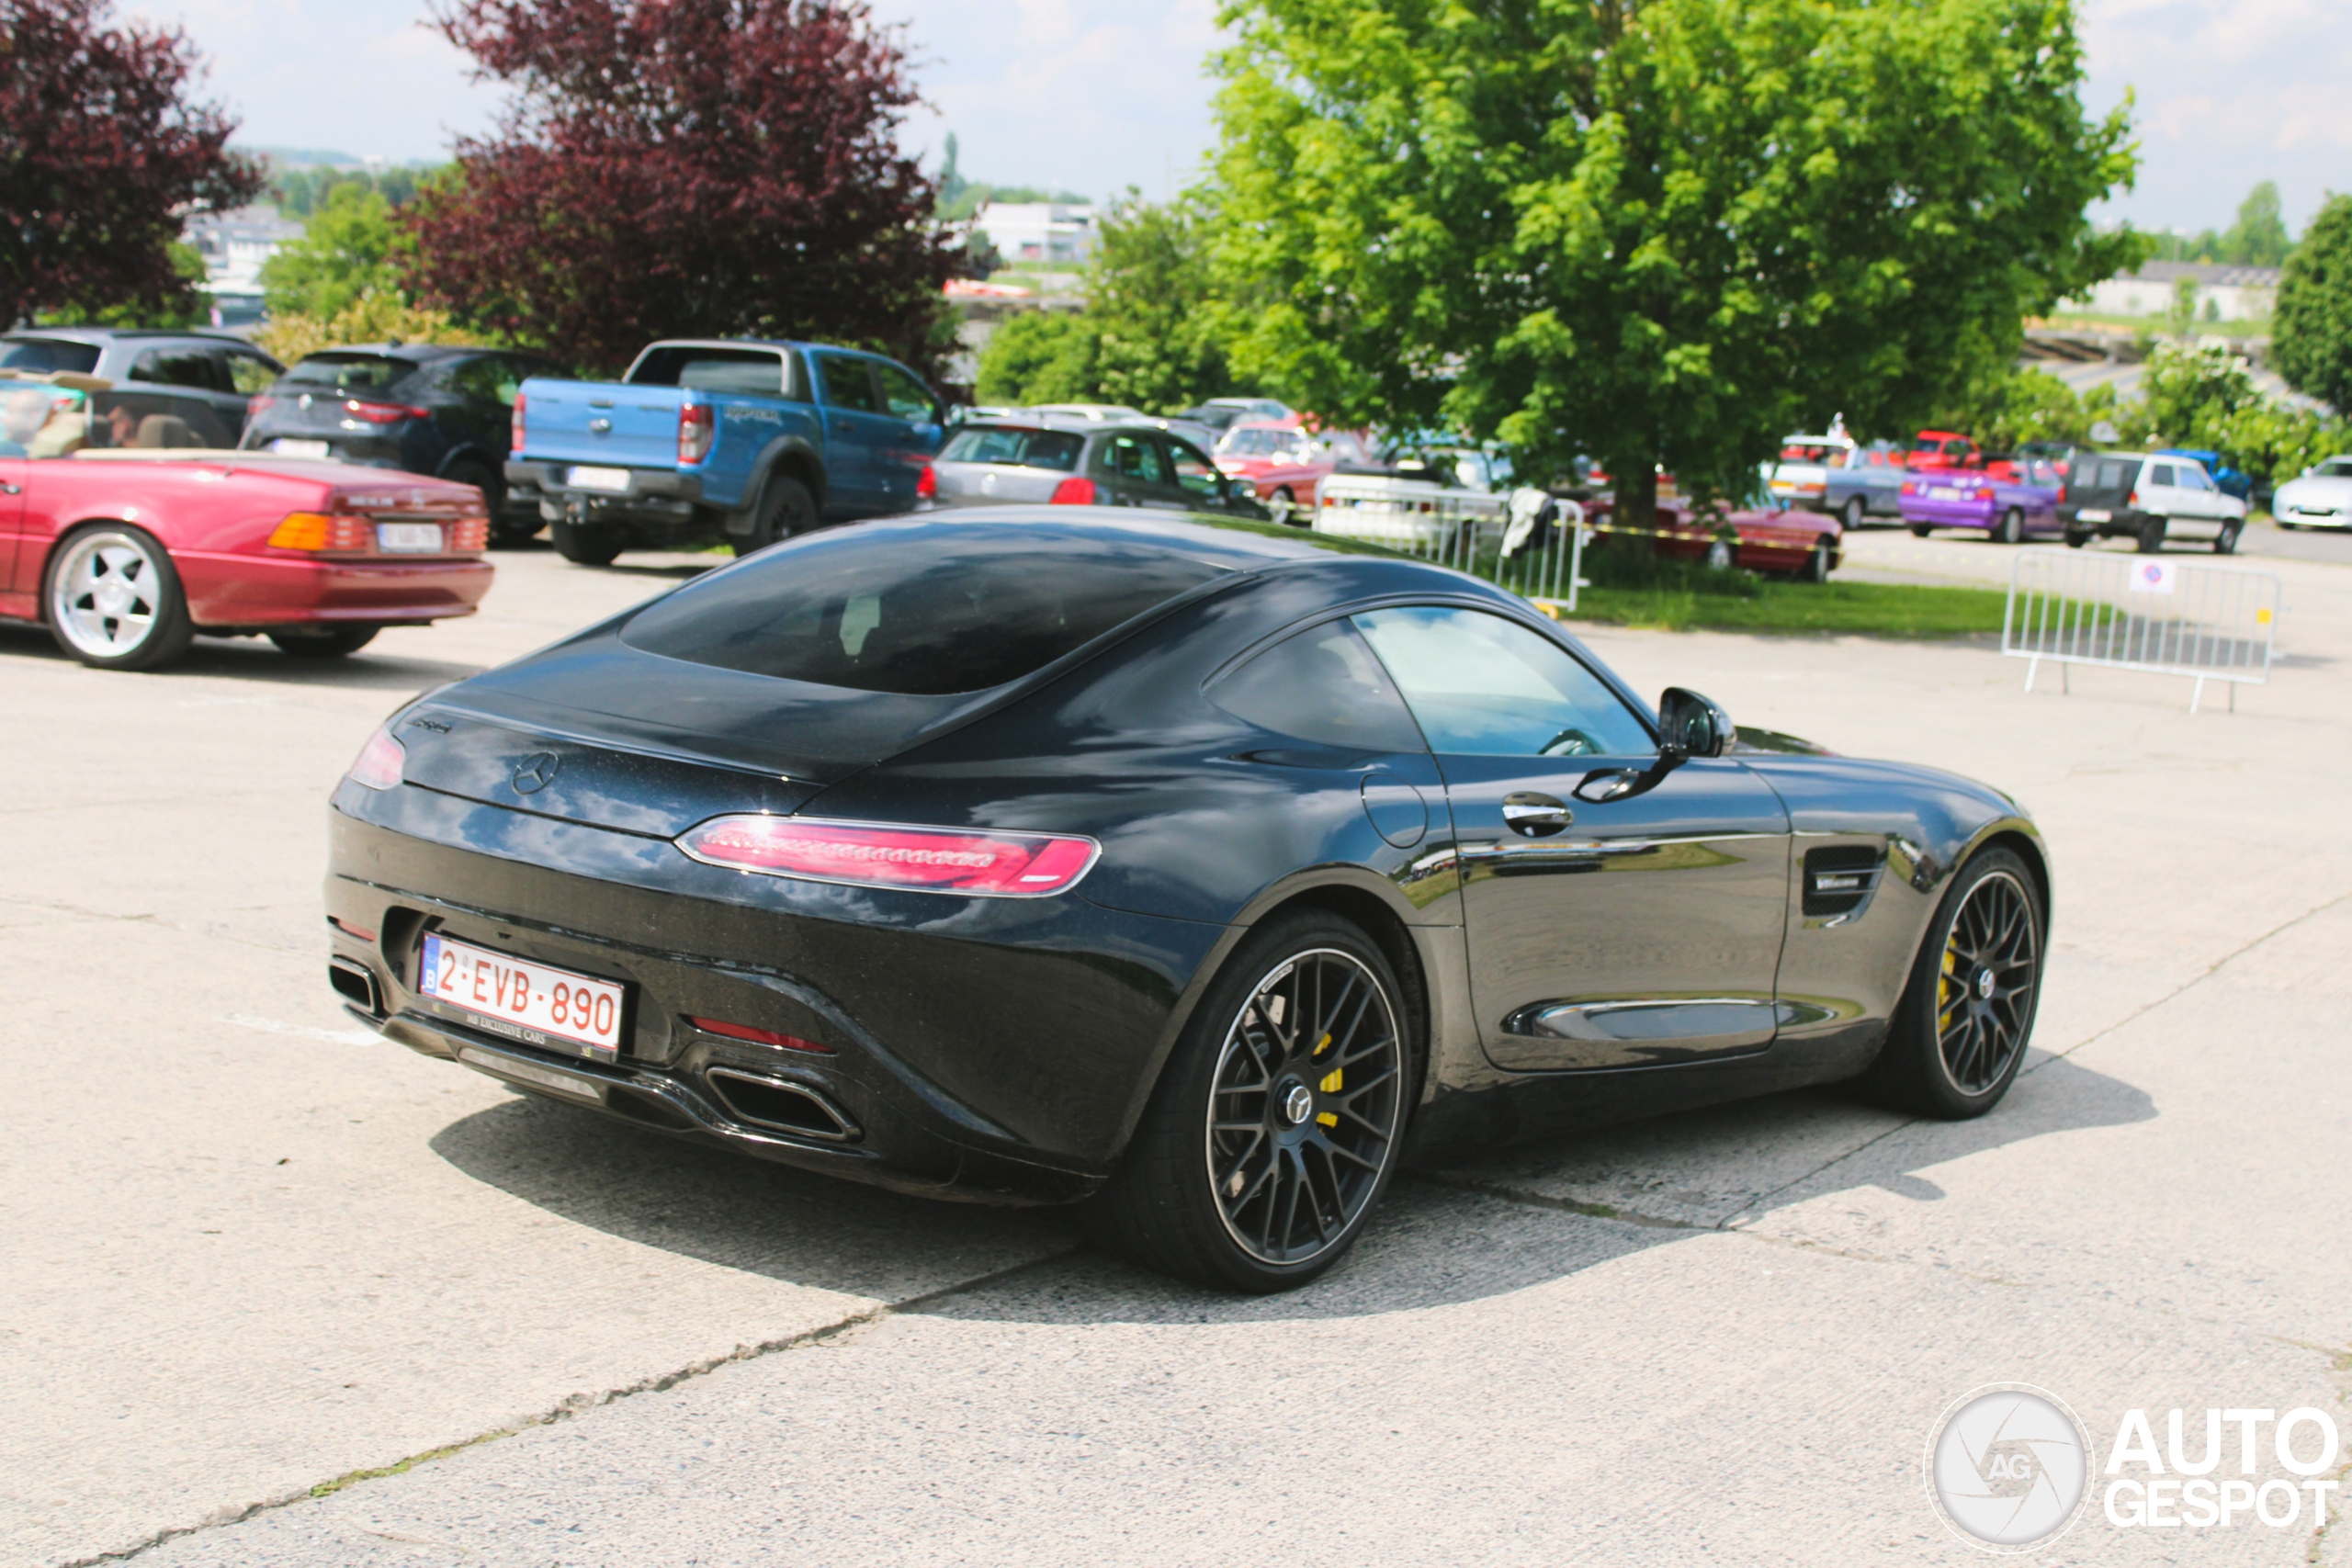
(2225, 543)
(1816, 564)
(2076, 539)
(1920, 530)
(1282, 504)
(1853, 514)
(1254, 1168)
(323, 642)
(787, 509)
(113, 599)
(586, 544)
(1990, 922)
(2152, 536)
(2010, 529)
(492, 488)
(1720, 556)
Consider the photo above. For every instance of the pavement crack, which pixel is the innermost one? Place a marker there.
(578, 1403)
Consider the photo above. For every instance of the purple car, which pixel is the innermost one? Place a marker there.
(2007, 498)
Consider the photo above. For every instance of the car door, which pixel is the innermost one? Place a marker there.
(2160, 491)
(2201, 497)
(919, 430)
(1204, 487)
(858, 436)
(1621, 912)
(15, 470)
(1134, 471)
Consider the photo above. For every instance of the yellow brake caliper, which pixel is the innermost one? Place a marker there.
(1330, 1083)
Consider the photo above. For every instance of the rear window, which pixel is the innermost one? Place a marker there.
(957, 608)
(2334, 468)
(761, 372)
(2105, 473)
(1054, 449)
(41, 355)
(1256, 442)
(351, 372)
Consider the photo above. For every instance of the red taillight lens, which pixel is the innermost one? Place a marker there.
(379, 763)
(870, 854)
(697, 431)
(466, 535)
(758, 1036)
(2135, 499)
(927, 484)
(515, 425)
(1984, 493)
(1910, 489)
(260, 406)
(384, 413)
(1074, 492)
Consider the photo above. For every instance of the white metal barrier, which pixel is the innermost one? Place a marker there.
(2159, 614)
(1470, 531)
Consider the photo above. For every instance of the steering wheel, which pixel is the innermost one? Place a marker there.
(1570, 743)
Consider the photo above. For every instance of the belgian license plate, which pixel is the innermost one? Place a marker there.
(1943, 492)
(2087, 516)
(287, 447)
(409, 538)
(536, 1003)
(614, 480)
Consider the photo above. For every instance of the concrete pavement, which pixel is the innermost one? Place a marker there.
(255, 1253)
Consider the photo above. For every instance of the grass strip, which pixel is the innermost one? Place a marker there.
(1868, 608)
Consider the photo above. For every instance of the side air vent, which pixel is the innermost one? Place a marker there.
(1839, 877)
(785, 1107)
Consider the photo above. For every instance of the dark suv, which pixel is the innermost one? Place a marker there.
(427, 408)
(200, 384)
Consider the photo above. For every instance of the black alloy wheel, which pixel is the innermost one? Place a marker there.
(1854, 513)
(2152, 536)
(2225, 543)
(2078, 538)
(584, 544)
(1277, 1125)
(1961, 1029)
(2012, 529)
(323, 642)
(787, 510)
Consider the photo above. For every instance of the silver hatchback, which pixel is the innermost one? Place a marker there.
(1033, 458)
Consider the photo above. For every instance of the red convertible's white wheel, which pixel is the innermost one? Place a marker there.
(1719, 555)
(114, 601)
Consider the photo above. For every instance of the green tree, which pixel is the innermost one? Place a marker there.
(2312, 330)
(2259, 236)
(1039, 356)
(188, 308)
(1148, 292)
(1658, 230)
(349, 248)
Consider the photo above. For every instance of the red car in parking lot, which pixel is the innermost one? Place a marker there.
(1282, 462)
(127, 552)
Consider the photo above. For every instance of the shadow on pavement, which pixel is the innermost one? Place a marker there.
(257, 659)
(1534, 1213)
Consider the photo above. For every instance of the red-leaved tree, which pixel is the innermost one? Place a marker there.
(102, 156)
(684, 168)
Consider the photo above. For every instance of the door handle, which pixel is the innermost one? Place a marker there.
(1532, 816)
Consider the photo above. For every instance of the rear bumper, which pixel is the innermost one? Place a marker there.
(656, 498)
(279, 590)
(1951, 514)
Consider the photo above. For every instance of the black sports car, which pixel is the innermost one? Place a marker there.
(1197, 870)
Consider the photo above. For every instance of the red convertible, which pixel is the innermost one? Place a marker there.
(1769, 537)
(1282, 461)
(128, 544)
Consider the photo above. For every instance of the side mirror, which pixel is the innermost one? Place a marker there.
(1692, 725)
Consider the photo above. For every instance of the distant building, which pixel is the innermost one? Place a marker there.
(2236, 293)
(234, 244)
(1039, 231)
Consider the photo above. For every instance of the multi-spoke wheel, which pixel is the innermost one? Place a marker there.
(1959, 1031)
(1276, 1125)
(113, 599)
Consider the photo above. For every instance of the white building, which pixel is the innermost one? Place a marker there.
(2236, 293)
(234, 244)
(1039, 231)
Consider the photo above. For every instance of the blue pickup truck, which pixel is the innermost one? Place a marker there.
(752, 439)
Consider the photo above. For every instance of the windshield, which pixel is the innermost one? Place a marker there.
(1021, 448)
(975, 607)
(1248, 442)
(761, 372)
(349, 372)
(42, 354)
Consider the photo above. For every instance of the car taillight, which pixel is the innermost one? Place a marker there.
(324, 532)
(516, 441)
(467, 535)
(1984, 493)
(1910, 489)
(927, 484)
(757, 1036)
(260, 406)
(2135, 499)
(379, 763)
(870, 854)
(1074, 490)
(384, 413)
(698, 430)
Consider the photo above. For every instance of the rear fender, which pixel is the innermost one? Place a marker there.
(792, 453)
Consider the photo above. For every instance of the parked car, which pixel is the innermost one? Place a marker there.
(1072, 462)
(127, 553)
(2137, 496)
(1848, 479)
(1943, 449)
(2009, 499)
(2227, 480)
(1281, 462)
(1221, 414)
(1181, 427)
(2320, 498)
(1768, 534)
(206, 381)
(1190, 872)
(752, 439)
(421, 408)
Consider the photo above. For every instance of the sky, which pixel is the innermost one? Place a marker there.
(1094, 95)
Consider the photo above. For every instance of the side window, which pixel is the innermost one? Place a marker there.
(1135, 458)
(178, 367)
(906, 397)
(489, 379)
(848, 383)
(2193, 478)
(2161, 474)
(1484, 686)
(1194, 472)
(250, 373)
(1322, 685)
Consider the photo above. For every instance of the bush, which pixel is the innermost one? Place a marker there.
(375, 316)
(2312, 326)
